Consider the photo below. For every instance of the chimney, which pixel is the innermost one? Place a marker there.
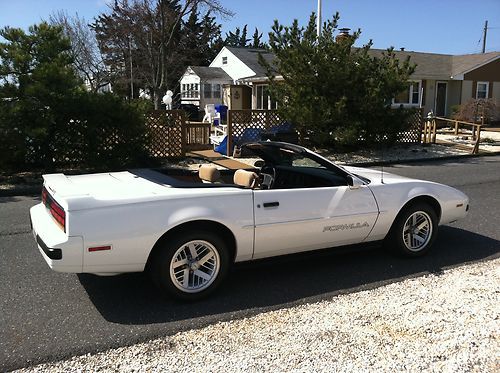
(343, 34)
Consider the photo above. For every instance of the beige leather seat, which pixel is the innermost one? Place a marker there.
(246, 179)
(209, 173)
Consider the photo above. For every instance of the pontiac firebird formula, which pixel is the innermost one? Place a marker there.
(187, 227)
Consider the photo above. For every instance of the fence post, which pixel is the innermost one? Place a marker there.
(456, 127)
(476, 145)
(182, 120)
(229, 132)
(434, 130)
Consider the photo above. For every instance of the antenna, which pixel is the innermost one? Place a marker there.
(382, 168)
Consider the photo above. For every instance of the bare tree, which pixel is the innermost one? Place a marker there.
(88, 61)
(147, 32)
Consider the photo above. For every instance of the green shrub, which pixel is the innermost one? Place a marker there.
(334, 93)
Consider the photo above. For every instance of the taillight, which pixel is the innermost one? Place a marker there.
(55, 209)
(44, 196)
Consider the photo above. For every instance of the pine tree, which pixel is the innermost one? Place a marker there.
(256, 43)
(332, 91)
(36, 78)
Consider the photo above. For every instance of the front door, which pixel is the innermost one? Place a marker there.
(302, 219)
(440, 105)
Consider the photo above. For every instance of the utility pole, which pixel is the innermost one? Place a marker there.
(131, 69)
(318, 19)
(484, 35)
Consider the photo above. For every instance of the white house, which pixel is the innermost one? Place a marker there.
(201, 85)
(243, 80)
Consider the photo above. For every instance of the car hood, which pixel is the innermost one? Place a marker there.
(375, 176)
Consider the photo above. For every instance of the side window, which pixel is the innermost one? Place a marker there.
(207, 90)
(299, 171)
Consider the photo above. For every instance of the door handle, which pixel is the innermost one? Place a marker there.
(271, 204)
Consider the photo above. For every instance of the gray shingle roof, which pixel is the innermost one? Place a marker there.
(208, 73)
(441, 66)
(250, 57)
(467, 62)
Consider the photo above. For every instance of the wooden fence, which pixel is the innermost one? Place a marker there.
(431, 125)
(248, 125)
(414, 132)
(170, 135)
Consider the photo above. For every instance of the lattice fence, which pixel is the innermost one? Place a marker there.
(171, 136)
(250, 125)
(165, 133)
(414, 132)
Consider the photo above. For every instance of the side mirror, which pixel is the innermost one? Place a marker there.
(354, 182)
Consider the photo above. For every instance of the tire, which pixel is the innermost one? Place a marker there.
(414, 231)
(179, 273)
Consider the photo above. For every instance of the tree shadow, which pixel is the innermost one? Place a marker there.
(260, 286)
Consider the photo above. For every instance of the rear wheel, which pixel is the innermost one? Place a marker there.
(191, 266)
(414, 230)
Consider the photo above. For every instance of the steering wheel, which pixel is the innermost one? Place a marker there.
(267, 177)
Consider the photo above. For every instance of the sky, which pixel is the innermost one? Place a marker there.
(435, 26)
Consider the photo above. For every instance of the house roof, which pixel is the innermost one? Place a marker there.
(209, 73)
(442, 66)
(250, 57)
(467, 62)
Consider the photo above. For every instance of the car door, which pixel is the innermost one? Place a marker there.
(301, 219)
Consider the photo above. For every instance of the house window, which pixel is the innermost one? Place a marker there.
(224, 60)
(410, 96)
(190, 90)
(217, 91)
(482, 89)
(264, 101)
(207, 90)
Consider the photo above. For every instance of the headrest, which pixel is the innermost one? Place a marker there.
(209, 173)
(245, 179)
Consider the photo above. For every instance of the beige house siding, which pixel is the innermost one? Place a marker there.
(429, 94)
(454, 93)
(496, 90)
(466, 90)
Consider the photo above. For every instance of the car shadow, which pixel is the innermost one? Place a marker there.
(265, 285)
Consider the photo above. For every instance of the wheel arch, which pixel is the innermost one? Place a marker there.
(200, 224)
(431, 201)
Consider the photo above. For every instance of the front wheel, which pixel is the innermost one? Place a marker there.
(191, 267)
(414, 230)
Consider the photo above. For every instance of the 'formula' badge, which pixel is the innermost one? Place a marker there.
(343, 227)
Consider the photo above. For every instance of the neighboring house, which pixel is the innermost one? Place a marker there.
(439, 82)
(202, 85)
(238, 72)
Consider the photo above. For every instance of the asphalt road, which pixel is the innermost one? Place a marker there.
(49, 316)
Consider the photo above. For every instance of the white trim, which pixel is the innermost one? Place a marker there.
(445, 97)
(410, 102)
(269, 100)
(487, 88)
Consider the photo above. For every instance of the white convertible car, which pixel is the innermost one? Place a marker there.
(186, 227)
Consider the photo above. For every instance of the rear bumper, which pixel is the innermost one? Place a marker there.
(62, 253)
(50, 252)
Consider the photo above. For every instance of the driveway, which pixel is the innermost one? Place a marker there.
(49, 316)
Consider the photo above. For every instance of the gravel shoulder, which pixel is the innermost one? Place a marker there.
(448, 321)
